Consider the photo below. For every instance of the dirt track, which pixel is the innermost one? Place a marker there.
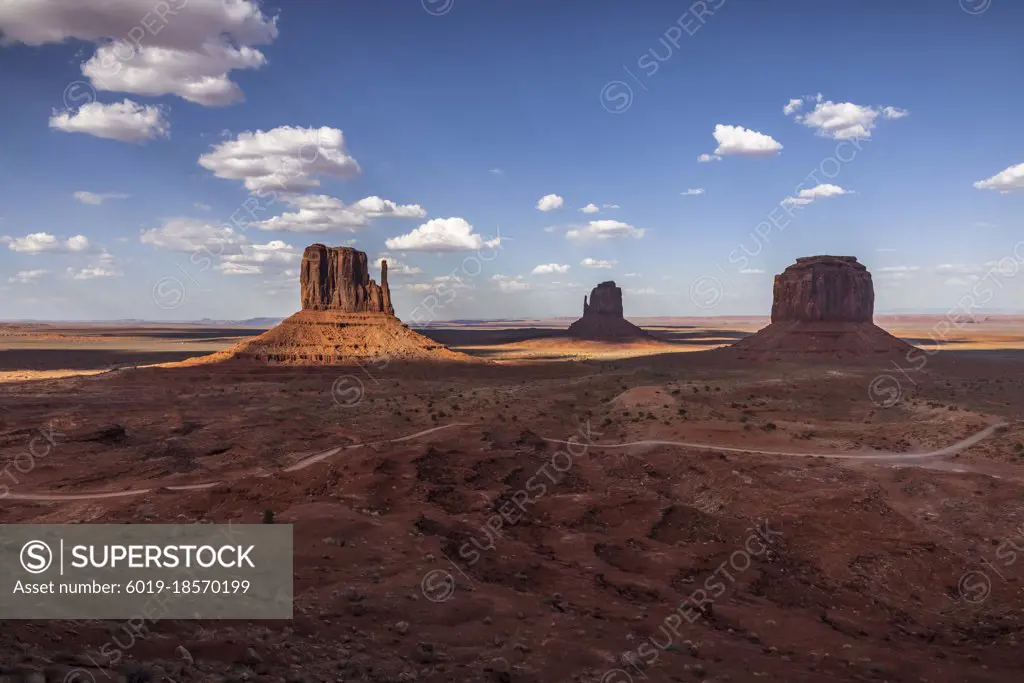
(319, 457)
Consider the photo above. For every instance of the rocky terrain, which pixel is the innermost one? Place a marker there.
(673, 517)
(482, 552)
(602, 317)
(822, 305)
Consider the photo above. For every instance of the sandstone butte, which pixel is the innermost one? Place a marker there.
(345, 316)
(602, 317)
(826, 305)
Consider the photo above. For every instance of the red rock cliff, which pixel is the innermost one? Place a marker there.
(824, 289)
(605, 299)
(337, 279)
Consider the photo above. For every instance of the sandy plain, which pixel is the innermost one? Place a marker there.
(896, 562)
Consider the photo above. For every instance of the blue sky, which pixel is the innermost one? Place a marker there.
(452, 119)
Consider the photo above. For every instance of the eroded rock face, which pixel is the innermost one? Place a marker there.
(605, 299)
(337, 279)
(824, 289)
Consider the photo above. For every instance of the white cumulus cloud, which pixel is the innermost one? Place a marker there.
(845, 120)
(320, 213)
(693, 192)
(40, 242)
(550, 202)
(186, 48)
(283, 159)
(126, 121)
(1007, 180)
(551, 269)
(441, 235)
(605, 229)
(188, 235)
(740, 141)
(808, 195)
(705, 158)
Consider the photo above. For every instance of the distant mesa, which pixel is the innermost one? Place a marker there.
(823, 304)
(345, 317)
(602, 317)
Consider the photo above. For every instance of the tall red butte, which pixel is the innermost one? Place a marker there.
(823, 305)
(345, 316)
(602, 317)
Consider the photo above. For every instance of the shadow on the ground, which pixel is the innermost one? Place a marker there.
(87, 359)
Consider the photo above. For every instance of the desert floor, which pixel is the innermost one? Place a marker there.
(834, 518)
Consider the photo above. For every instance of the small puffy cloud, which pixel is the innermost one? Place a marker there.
(751, 271)
(590, 208)
(283, 159)
(1007, 180)
(596, 263)
(610, 206)
(551, 228)
(103, 266)
(510, 284)
(632, 275)
(97, 198)
(441, 235)
(125, 121)
(605, 229)
(846, 120)
(808, 195)
(643, 291)
(319, 213)
(375, 207)
(693, 192)
(550, 269)
(396, 267)
(550, 202)
(740, 141)
(705, 158)
(792, 106)
(26, 277)
(188, 235)
(40, 242)
(182, 47)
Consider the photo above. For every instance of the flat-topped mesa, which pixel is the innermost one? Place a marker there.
(823, 306)
(824, 289)
(337, 279)
(605, 299)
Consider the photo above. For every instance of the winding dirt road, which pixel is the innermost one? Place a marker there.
(319, 457)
